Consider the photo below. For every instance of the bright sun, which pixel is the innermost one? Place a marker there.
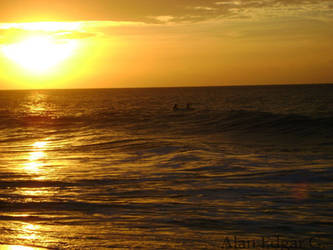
(40, 54)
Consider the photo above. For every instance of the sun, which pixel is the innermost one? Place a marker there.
(40, 53)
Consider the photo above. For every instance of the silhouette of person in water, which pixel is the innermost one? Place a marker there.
(175, 107)
(188, 106)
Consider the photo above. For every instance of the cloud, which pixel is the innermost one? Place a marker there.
(75, 35)
(13, 35)
(148, 11)
(15, 32)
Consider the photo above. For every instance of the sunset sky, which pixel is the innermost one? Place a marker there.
(153, 43)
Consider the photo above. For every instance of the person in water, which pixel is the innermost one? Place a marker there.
(175, 107)
(188, 107)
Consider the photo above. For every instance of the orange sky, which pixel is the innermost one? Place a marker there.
(94, 44)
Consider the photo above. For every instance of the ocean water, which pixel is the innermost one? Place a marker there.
(245, 168)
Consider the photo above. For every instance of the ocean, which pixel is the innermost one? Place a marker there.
(247, 167)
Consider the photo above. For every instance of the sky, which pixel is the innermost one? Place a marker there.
(159, 43)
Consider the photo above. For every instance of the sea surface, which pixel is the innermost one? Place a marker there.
(244, 168)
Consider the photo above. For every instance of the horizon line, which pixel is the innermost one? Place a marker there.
(169, 87)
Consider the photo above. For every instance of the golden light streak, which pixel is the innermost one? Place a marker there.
(29, 232)
(33, 167)
(43, 26)
(40, 144)
(9, 247)
(36, 157)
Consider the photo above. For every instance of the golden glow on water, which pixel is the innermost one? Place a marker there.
(8, 247)
(33, 167)
(100, 185)
(18, 215)
(35, 192)
(36, 104)
(40, 144)
(36, 157)
(37, 108)
(29, 232)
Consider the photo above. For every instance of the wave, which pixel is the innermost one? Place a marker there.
(196, 122)
(265, 122)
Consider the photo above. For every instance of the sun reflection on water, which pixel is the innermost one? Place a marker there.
(36, 104)
(29, 232)
(8, 247)
(36, 157)
(40, 144)
(33, 167)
